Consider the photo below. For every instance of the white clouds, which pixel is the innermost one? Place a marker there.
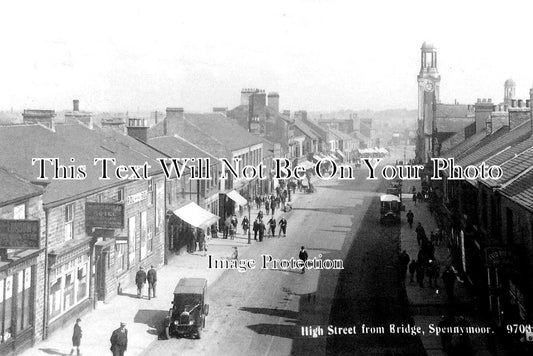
(316, 54)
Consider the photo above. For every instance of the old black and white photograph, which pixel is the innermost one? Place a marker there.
(298, 177)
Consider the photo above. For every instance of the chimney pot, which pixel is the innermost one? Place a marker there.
(489, 100)
(478, 100)
(76, 105)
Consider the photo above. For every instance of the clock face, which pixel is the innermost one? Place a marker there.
(428, 86)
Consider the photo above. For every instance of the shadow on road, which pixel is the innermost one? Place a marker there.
(150, 317)
(285, 331)
(272, 312)
(53, 352)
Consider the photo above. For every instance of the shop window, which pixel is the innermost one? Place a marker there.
(68, 293)
(150, 240)
(24, 296)
(82, 282)
(131, 239)
(143, 235)
(69, 221)
(55, 297)
(6, 308)
(122, 255)
(19, 212)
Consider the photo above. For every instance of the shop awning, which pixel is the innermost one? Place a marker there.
(195, 215)
(237, 198)
(339, 152)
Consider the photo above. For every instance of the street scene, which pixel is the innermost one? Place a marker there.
(295, 178)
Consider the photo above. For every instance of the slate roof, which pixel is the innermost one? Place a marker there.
(212, 132)
(306, 130)
(20, 143)
(495, 143)
(178, 147)
(521, 190)
(465, 146)
(513, 167)
(14, 188)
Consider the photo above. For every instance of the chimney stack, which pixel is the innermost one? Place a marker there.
(173, 124)
(138, 129)
(273, 101)
(483, 110)
(222, 110)
(76, 105)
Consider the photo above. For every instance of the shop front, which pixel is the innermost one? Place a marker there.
(69, 283)
(18, 307)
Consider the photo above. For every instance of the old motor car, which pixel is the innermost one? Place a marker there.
(188, 312)
(390, 209)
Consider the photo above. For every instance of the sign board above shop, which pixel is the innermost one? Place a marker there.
(104, 215)
(19, 234)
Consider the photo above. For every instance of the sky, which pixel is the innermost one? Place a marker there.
(318, 55)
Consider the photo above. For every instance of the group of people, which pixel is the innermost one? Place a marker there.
(118, 340)
(141, 277)
(260, 228)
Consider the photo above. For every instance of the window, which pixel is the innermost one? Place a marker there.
(6, 308)
(122, 257)
(149, 240)
(69, 222)
(120, 195)
(19, 212)
(68, 291)
(24, 296)
(99, 197)
(69, 287)
(131, 239)
(151, 191)
(82, 282)
(55, 297)
(143, 235)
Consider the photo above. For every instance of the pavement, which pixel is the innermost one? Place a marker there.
(143, 316)
(428, 304)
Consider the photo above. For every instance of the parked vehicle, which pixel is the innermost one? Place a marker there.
(187, 315)
(391, 206)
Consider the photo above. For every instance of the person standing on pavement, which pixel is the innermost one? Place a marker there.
(404, 262)
(414, 198)
(245, 225)
(420, 274)
(152, 281)
(272, 226)
(76, 337)
(119, 340)
(303, 256)
(267, 206)
(256, 228)
(140, 280)
(410, 218)
(420, 233)
(282, 226)
(261, 230)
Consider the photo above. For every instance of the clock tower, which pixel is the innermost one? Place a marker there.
(428, 97)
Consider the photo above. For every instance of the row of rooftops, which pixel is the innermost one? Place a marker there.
(511, 148)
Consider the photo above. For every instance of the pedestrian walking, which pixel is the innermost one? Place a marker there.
(433, 273)
(420, 233)
(272, 227)
(261, 230)
(303, 256)
(449, 277)
(214, 231)
(256, 228)
(410, 218)
(140, 280)
(404, 263)
(282, 226)
(267, 206)
(445, 337)
(412, 270)
(414, 198)
(245, 225)
(76, 338)
(119, 340)
(151, 277)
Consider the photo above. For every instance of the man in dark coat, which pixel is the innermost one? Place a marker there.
(448, 276)
(420, 233)
(262, 229)
(303, 256)
(267, 206)
(76, 337)
(272, 226)
(282, 226)
(119, 340)
(412, 270)
(410, 218)
(140, 280)
(404, 262)
(151, 277)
